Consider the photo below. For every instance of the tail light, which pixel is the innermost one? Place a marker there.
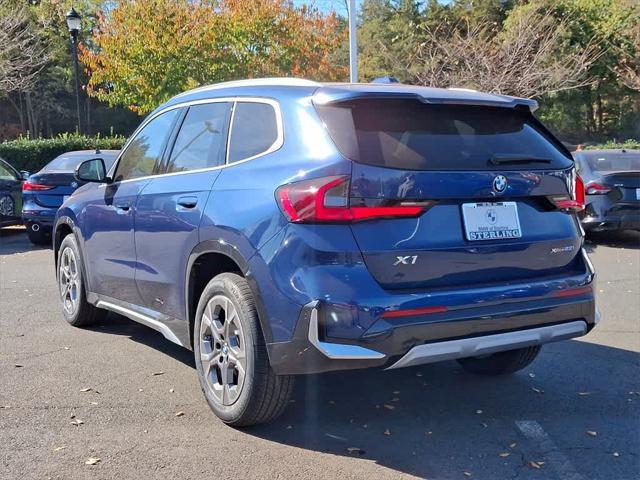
(596, 189)
(573, 202)
(326, 200)
(28, 186)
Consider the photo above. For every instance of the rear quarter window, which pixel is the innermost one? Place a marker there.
(408, 134)
(254, 130)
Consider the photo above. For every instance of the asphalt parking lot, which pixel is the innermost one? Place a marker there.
(120, 393)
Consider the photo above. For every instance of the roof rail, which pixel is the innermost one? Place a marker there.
(251, 82)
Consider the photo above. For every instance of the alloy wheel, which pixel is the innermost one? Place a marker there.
(223, 353)
(69, 281)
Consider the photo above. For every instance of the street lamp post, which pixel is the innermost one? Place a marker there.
(353, 46)
(73, 24)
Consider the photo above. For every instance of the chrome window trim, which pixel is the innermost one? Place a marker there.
(233, 100)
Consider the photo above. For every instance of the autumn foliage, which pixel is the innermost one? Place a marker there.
(145, 51)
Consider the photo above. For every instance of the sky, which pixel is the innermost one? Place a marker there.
(339, 6)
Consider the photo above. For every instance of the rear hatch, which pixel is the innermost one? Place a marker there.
(492, 182)
(51, 187)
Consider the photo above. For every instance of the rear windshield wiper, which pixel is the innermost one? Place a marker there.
(501, 159)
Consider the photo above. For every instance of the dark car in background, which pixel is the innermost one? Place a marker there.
(45, 191)
(10, 194)
(612, 189)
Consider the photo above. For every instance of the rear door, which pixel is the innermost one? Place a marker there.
(170, 207)
(486, 177)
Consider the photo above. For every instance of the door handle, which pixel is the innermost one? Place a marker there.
(187, 203)
(123, 208)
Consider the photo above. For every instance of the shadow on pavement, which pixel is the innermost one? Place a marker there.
(14, 240)
(616, 239)
(119, 325)
(435, 421)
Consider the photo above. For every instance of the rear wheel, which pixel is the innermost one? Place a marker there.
(37, 236)
(71, 286)
(231, 356)
(501, 363)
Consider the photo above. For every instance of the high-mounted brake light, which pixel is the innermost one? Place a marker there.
(27, 186)
(593, 188)
(326, 200)
(574, 202)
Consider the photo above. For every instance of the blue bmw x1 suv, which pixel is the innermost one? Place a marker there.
(280, 227)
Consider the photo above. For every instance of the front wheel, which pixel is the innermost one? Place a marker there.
(71, 286)
(231, 356)
(501, 363)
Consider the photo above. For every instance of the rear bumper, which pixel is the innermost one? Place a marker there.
(463, 333)
(42, 218)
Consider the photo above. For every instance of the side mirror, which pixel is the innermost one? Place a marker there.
(91, 171)
(24, 175)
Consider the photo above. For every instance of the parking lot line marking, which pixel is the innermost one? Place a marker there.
(558, 461)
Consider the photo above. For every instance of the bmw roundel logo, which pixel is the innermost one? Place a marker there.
(500, 183)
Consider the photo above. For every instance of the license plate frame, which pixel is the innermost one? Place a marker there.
(484, 221)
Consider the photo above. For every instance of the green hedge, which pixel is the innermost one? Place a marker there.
(32, 154)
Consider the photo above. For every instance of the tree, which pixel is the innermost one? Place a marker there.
(526, 56)
(145, 51)
(22, 53)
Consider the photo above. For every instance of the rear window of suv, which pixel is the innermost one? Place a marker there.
(408, 134)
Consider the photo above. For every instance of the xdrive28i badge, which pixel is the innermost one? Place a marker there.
(500, 183)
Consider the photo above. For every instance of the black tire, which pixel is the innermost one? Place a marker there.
(502, 363)
(263, 395)
(39, 237)
(84, 313)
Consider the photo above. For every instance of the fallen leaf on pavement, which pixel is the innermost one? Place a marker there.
(616, 454)
(171, 390)
(537, 390)
(88, 389)
(478, 412)
(388, 407)
(155, 374)
(179, 414)
(19, 366)
(387, 432)
(584, 394)
(532, 375)
(76, 422)
(428, 433)
(418, 374)
(57, 449)
(533, 464)
(466, 474)
(592, 433)
(93, 461)
(504, 454)
(512, 445)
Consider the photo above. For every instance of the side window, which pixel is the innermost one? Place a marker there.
(144, 153)
(6, 173)
(202, 138)
(254, 130)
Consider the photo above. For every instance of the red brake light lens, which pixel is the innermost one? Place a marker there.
(27, 186)
(575, 202)
(326, 199)
(596, 189)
